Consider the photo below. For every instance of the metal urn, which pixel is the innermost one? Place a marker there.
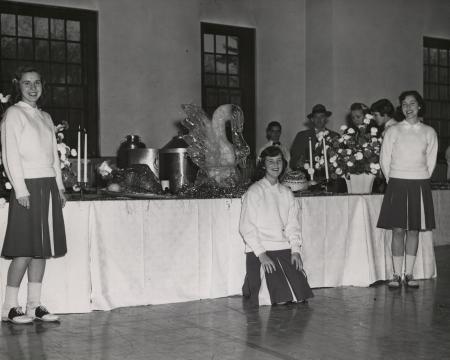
(175, 165)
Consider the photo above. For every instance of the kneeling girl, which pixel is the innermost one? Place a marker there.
(270, 227)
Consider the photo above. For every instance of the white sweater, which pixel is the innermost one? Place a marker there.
(270, 218)
(409, 151)
(29, 147)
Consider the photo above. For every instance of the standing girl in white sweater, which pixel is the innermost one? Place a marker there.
(270, 227)
(35, 230)
(408, 157)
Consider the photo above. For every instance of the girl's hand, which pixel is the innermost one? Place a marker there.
(24, 201)
(297, 261)
(62, 197)
(267, 263)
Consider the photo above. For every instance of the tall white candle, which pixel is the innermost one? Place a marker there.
(79, 156)
(311, 163)
(326, 159)
(85, 157)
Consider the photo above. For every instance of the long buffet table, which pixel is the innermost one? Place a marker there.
(137, 252)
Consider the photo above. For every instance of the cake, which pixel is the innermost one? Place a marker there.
(296, 181)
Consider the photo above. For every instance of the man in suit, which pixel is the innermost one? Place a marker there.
(318, 119)
(273, 133)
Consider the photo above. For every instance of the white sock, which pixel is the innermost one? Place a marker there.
(398, 264)
(34, 294)
(11, 297)
(410, 261)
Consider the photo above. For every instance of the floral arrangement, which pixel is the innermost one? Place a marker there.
(354, 152)
(64, 153)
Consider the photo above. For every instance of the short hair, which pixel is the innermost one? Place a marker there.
(16, 94)
(273, 124)
(417, 96)
(359, 106)
(270, 151)
(384, 107)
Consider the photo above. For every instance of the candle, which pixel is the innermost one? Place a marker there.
(325, 158)
(311, 163)
(79, 156)
(85, 157)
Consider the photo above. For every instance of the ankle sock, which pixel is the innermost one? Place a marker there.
(34, 294)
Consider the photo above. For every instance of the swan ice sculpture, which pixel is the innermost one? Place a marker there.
(209, 147)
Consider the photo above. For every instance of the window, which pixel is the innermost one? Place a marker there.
(228, 71)
(62, 44)
(436, 68)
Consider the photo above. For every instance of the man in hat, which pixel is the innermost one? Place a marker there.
(318, 119)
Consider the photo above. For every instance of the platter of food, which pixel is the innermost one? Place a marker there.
(136, 195)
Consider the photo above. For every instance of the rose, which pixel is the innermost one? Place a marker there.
(8, 185)
(317, 158)
(367, 120)
(310, 171)
(321, 161)
(343, 127)
(335, 164)
(4, 98)
(347, 137)
(339, 171)
(351, 131)
(349, 151)
(333, 158)
(306, 166)
(104, 169)
(73, 152)
(373, 131)
(317, 166)
(349, 164)
(359, 155)
(373, 171)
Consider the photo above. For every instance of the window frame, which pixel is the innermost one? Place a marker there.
(89, 48)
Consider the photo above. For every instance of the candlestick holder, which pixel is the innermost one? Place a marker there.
(83, 186)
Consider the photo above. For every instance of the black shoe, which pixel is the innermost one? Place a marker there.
(41, 313)
(17, 316)
(410, 282)
(396, 282)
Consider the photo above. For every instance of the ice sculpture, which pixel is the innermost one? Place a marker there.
(209, 147)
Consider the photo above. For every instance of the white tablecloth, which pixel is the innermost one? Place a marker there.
(137, 252)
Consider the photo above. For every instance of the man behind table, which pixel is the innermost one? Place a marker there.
(318, 119)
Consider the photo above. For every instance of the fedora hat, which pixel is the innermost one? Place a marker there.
(319, 109)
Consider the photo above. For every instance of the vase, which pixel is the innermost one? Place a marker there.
(360, 183)
(131, 142)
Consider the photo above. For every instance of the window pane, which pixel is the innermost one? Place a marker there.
(73, 30)
(425, 73)
(58, 116)
(74, 52)
(44, 69)
(222, 80)
(208, 43)
(74, 74)
(8, 24)
(75, 97)
(233, 45)
(443, 94)
(58, 51)
(26, 49)
(221, 45)
(443, 75)
(233, 65)
(25, 25)
(8, 47)
(223, 97)
(443, 57)
(42, 49)
(221, 64)
(41, 27)
(211, 97)
(235, 97)
(8, 70)
(57, 29)
(433, 56)
(59, 97)
(233, 81)
(210, 80)
(58, 74)
(434, 91)
(434, 74)
(209, 63)
(75, 118)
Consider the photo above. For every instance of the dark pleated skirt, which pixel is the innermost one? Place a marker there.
(279, 283)
(407, 204)
(37, 232)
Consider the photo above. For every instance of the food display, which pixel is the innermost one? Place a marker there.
(135, 179)
(296, 181)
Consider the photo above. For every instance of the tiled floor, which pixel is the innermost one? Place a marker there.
(340, 323)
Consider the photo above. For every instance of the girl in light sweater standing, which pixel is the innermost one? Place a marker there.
(270, 227)
(408, 157)
(35, 230)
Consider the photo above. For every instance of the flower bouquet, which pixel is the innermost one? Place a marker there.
(65, 152)
(354, 152)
